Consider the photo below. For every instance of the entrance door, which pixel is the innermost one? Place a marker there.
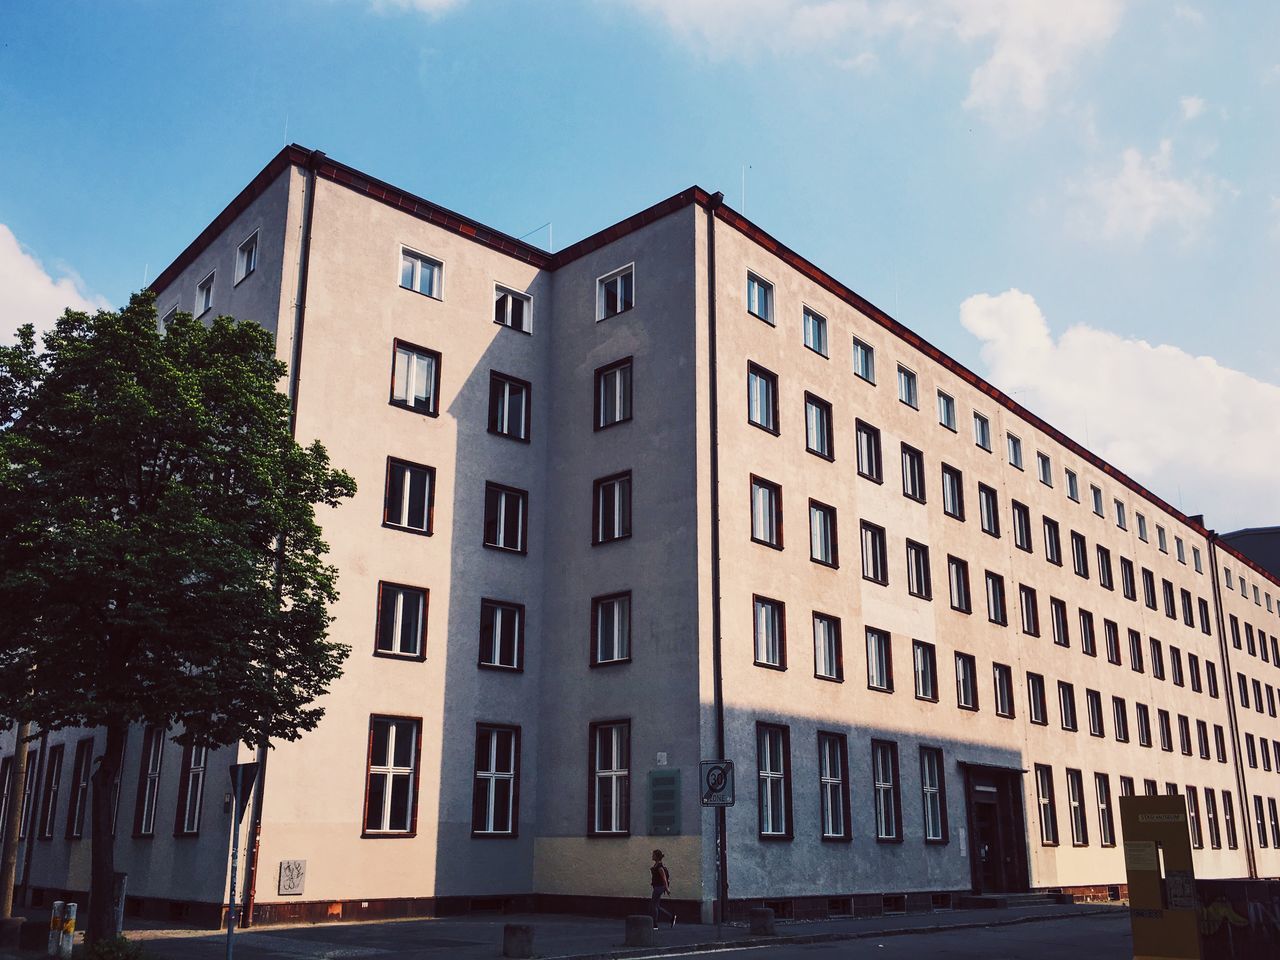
(997, 838)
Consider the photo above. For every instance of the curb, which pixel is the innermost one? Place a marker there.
(801, 939)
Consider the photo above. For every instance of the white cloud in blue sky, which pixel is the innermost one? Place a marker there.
(29, 293)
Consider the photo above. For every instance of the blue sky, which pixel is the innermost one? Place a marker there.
(1080, 201)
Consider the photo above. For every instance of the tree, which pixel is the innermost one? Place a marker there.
(160, 560)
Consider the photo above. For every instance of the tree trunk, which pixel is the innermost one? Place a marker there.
(102, 875)
(9, 830)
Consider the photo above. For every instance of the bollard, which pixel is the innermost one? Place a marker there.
(639, 930)
(517, 940)
(55, 928)
(762, 922)
(68, 939)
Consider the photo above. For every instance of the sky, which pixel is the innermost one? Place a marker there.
(1080, 201)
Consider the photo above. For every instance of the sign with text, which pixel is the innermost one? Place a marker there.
(716, 783)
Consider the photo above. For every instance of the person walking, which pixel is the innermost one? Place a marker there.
(660, 881)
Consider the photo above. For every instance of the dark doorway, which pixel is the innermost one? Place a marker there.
(997, 832)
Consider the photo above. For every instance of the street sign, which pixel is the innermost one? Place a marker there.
(715, 784)
(243, 776)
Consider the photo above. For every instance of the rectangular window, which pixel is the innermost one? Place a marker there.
(402, 621)
(913, 474)
(421, 273)
(966, 682)
(947, 410)
(1030, 608)
(907, 392)
(864, 360)
(1037, 711)
(1052, 542)
(501, 634)
(833, 785)
(81, 771)
(1067, 705)
(1097, 499)
(879, 661)
(884, 765)
(989, 510)
(770, 633)
(1193, 669)
(1149, 589)
(52, 787)
(1157, 659)
(1073, 485)
(514, 310)
(409, 496)
(919, 578)
(1120, 716)
(869, 460)
(824, 544)
(815, 332)
(615, 293)
(1058, 615)
(1175, 666)
(613, 394)
(1121, 520)
(1104, 568)
(818, 437)
(1127, 582)
(611, 628)
(415, 378)
(1170, 610)
(144, 818)
(1088, 639)
(204, 295)
(982, 431)
(1229, 819)
(195, 761)
(759, 298)
(1142, 527)
(391, 782)
(1166, 730)
(1015, 451)
(1162, 540)
(926, 667)
(1195, 557)
(1045, 805)
(1079, 555)
(874, 563)
(1202, 606)
(1075, 801)
(762, 398)
(1021, 525)
(933, 795)
(506, 517)
(1202, 739)
(766, 512)
(1004, 689)
(1260, 819)
(828, 654)
(1112, 631)
(1106, 820)
(1180, 550)
(773, 760)
(495, 793)
(612, 498)
(952, 492)
(1188, 617)
(1044, 466)
(1211, 816)
(1093, 704)
(509, 406)
(958, 580)
(610, 766)
(247, 257)
(1144, 724)
(996, 611)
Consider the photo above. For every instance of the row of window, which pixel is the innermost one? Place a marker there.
(1231, 583)
(245, 265)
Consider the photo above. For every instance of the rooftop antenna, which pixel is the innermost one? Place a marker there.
(146, 268)
(745, 168)
(551, 237)
(286, 126)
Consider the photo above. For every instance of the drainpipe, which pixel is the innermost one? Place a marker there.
(1246, 815)
(295, 377)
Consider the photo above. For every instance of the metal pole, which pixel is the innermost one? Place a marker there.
(235, 851)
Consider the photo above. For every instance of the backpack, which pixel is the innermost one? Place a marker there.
(659, 875)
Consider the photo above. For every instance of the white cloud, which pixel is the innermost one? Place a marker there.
(1188, 14)
(30, 294)
(1144, 195)
(1185, 427)
(1192, 107)
(433, 7)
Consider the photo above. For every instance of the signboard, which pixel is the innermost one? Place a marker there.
(664, 803)
(293, 877)
(243, 776)
(1162, 893)
(715, 783)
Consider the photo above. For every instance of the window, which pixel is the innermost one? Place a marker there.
(770, 633)
(874, 565)
(1169, 609)
(933, 795)
(1058, 614)
(1030, 610)
(1229, 819)
(773, 758)
(766, 513)
(1052, 542)
(611, 628)
(1235, 631)
(247, 257)
(1075, 801)
(494, 797)
(926, 667)
(762, 398)
(1021, 525)
(1045, 804)
(815, 332)
(1067, 705)
(1202, 607)
(958, 579)
(1188, 617)
(514, 310)
(81, 771)
(907, 387)
(879, 661)
(1104, 568)
(947, 411)
(1275, 822)
(1106, 821)
(1120, 715)
(144, 818)
(195, 761)
(988, 510)
(1044, 466)
(1004, 689)
(833, 785)
(1166, 730)
(501, 634)
(1073, 485)
(817, 427)
(1079, 555)
(1175, 665)
(759, 298)
(982, 431)
(1157, 659)
(615, 293)
(1036, 709)
(1097, 499)
(610, 804)
(1261, 820)
(1211, 815)
(612, 497)
(415, 378)
(1126, 786)
(509, 406)
(1015, 451)
(912, 473)
(1142, 527)
(391, 784)
(1193, 668)
(869, 461)
(204, 295)
(613, 394)
(1121, 521)
(1202, 740)
(402, 621)
(1093, 704)
(421, 273)
(1088, 642)
(919, 579)
(1112, 631)
(1149, 589)
(1195, 557)
(864, 360)
(952, 492)
(1161, 540)
(1180, 550)
(52, 787)
(1144, 724)
(409, 496)
(824, 545)
(828, 655)
(884, 763)
(1127, 581)
(506, 517)
(966, 682)
(996, 612)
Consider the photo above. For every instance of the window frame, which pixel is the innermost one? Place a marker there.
(826, 782)
(432, 409)
(602, 282)
(497, 379)
(827, 420)
(597, 605)
(523, 498)
(771, 379)
(429, 499)
(783, 776)
(391, 770)
(492, 604)
(616, 775)
(623, 507)
(775, 496)
(246, 262)
(828, 513)
(888, 749)
(767, 289)
(598, 379)
(394, 653)
(494, 776)
(779, 611)
(512, 295)
(419, 258)
(834, 623)
(808, 312)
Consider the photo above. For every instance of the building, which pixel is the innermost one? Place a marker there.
(1259, 544)
(675, 493)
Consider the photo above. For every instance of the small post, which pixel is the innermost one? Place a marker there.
(639, 930)
(517, 940)
(119, 883)
(235, 856)
(55, 929)
(762, 924)
(67, 941)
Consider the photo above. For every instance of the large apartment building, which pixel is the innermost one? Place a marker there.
(676, 493)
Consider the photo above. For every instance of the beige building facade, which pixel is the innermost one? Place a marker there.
(674, 493)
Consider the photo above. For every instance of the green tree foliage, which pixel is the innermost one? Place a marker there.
(160, 561)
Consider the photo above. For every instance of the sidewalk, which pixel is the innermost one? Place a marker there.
(559, 937)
